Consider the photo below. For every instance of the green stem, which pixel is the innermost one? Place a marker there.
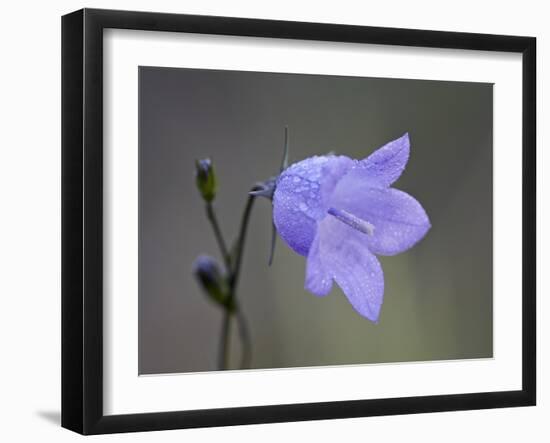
(223, 358)
(218, 233)
(245, 339)
(233, 279)
(234, 270)
(240, 244)
(244, 335)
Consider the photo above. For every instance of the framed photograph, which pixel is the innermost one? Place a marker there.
(269, 221)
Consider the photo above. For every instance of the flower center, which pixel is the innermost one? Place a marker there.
(351, 220)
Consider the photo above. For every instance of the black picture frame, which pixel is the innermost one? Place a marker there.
(82, 220)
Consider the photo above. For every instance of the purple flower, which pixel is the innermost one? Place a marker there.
(340, 212)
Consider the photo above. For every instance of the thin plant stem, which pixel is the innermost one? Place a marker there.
(233, 265)
(234, 270)
(218, 233)
(240, 243)
(233, 280)
(244, 335)
(245, 340)
(223, 358)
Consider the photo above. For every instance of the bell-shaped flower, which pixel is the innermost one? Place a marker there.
(340, 212)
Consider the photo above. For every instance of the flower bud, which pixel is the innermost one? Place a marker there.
(206, 179)
(210, 277)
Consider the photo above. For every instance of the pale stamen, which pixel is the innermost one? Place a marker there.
(351, 220)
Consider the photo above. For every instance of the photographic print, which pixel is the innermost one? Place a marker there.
(254, 209)
(294, 220)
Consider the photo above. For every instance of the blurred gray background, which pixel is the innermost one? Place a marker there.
(438, 296)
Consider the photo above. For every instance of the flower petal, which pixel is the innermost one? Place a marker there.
(340, 252)
(301, 195)
(385, 165)
(318, 278)
(399, 221)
